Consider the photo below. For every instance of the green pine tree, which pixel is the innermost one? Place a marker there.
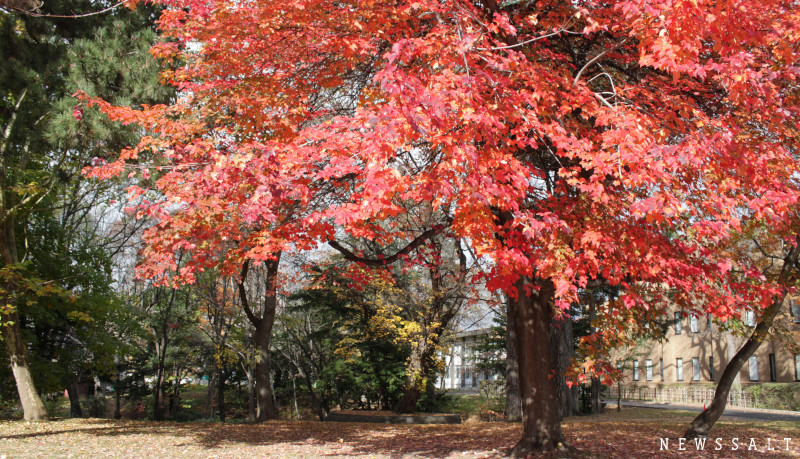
(45, 140)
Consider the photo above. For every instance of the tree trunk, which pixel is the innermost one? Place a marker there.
(597, 407)
(221, 395)
(318, 405)
(561, 351)
(408, 402)
(265, 407)
(117, 391)
(251, 395)
(158, 415)
(294, 397)
(513, 399)
(532, 313)
(75, 410)
(175, 399)
(212, 385)
(415, 378)
(32, 405)
(265, 402)
(703, 423)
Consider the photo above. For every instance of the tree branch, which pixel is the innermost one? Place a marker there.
(243, 294)
(350, 256)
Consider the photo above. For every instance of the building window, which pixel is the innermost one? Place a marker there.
(711, 368)
(695, 369)
(662, 370)
(693, 324)
(797, 367)
(750, 318)
(635, 371)
(794, 311)
(708, 325)
(677, 323)
(679, 369)
(648, 369)
(753, 368)
(773, 370)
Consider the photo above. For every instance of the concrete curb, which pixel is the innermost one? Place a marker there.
(395, 419)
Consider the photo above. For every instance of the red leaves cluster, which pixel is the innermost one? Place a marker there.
(626, 141)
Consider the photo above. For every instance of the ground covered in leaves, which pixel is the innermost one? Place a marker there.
(633, 433)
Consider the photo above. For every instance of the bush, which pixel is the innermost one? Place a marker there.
(776, 396)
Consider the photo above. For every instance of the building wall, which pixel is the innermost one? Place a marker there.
(713, 348)
(461, 371)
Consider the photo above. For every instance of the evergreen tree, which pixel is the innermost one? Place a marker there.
(46, 140)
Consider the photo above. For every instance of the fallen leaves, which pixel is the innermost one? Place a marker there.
(630, 434)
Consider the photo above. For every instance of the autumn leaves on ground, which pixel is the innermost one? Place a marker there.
(632, 433)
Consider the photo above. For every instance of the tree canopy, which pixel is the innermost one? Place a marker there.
(572, 144)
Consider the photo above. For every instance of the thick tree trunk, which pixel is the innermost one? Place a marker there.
(75, 410)
(265, 402)
(532, 311)
(408, 402)
(561, 351)
(416, 372)
(32, 405)
(265, 407)
(513, 399)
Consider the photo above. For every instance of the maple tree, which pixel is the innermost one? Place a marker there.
(574, 144)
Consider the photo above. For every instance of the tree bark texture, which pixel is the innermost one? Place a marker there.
(532, 311)
(561, 352)
(513, 399)
(32, 406)
(265, 404)
(420, 368)
(75, 410)
(251, 395)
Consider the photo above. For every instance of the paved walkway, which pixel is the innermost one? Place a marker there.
(751, 414)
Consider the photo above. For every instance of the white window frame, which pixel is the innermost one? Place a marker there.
(797, 367)
(750, 318)
(648, 368)
(752, 367)
(679, 369)
(695, 368)
(635, 370)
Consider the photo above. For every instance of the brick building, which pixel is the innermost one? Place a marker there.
(696, 351)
